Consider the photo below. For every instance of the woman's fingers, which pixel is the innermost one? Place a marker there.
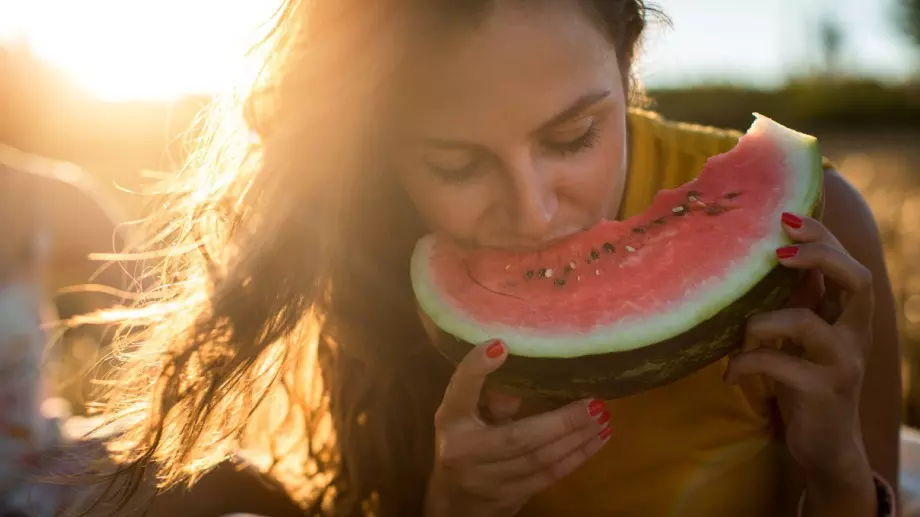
(550, 455)
(809, 293)
(529, 434)
(793, 372)
(835, 263)
(504, 463)
(461, 399)
(542, 479)
(802, 228)
(801, 326)
(820, 250)
(484, 452)
(497, 407)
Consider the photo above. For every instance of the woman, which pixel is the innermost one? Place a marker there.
(499, 123)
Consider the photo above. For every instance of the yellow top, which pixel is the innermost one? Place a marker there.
(696, 447)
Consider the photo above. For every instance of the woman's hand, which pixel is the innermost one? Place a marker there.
(491, 470)
(819, 370)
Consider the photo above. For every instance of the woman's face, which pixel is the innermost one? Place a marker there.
(513, 132)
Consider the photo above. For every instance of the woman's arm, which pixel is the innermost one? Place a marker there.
(848, 216)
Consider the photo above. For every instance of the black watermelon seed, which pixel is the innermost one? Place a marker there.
(529, 275)
(559, 281)
(638, 229)
(608, 247)
(595, 254)
(732, 195)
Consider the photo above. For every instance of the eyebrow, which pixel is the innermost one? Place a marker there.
(576, 108)
(580, 105)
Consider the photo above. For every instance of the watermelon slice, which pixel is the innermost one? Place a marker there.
(629, 305)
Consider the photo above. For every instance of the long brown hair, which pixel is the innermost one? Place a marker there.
(282, 254)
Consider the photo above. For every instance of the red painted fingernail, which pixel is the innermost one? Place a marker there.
(605, 433)
(603, 418)
(495, 350)
(787, 252)
(595, 407)
(792, 220)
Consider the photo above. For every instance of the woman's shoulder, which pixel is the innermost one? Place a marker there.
(649, 126)
(665, 153)
(846, 209)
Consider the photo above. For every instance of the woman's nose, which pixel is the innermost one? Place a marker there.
(535, 201)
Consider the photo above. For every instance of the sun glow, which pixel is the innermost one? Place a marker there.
(139, 49)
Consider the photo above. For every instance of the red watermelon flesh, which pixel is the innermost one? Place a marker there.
(625, 284)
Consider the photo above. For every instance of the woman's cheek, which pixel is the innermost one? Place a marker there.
(594, 183)
(455, 210)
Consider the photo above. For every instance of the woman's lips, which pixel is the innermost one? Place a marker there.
(511, 244)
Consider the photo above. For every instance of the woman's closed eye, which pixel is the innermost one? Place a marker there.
(453, 166)
(572, 139)
(460, 165)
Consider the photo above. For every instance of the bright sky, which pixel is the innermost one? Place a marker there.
(145, 49)
(763, 41)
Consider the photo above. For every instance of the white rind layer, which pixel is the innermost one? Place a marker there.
(803, 190)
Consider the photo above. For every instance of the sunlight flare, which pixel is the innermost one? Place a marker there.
(139, 49)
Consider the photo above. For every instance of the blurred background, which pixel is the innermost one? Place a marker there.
(114, 87)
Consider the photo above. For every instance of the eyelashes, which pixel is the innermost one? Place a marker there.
(455, 175)
(586, 140)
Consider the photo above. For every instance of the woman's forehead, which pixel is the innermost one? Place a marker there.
(516, 68)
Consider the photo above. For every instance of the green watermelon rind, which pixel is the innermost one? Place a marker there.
(805, 160)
